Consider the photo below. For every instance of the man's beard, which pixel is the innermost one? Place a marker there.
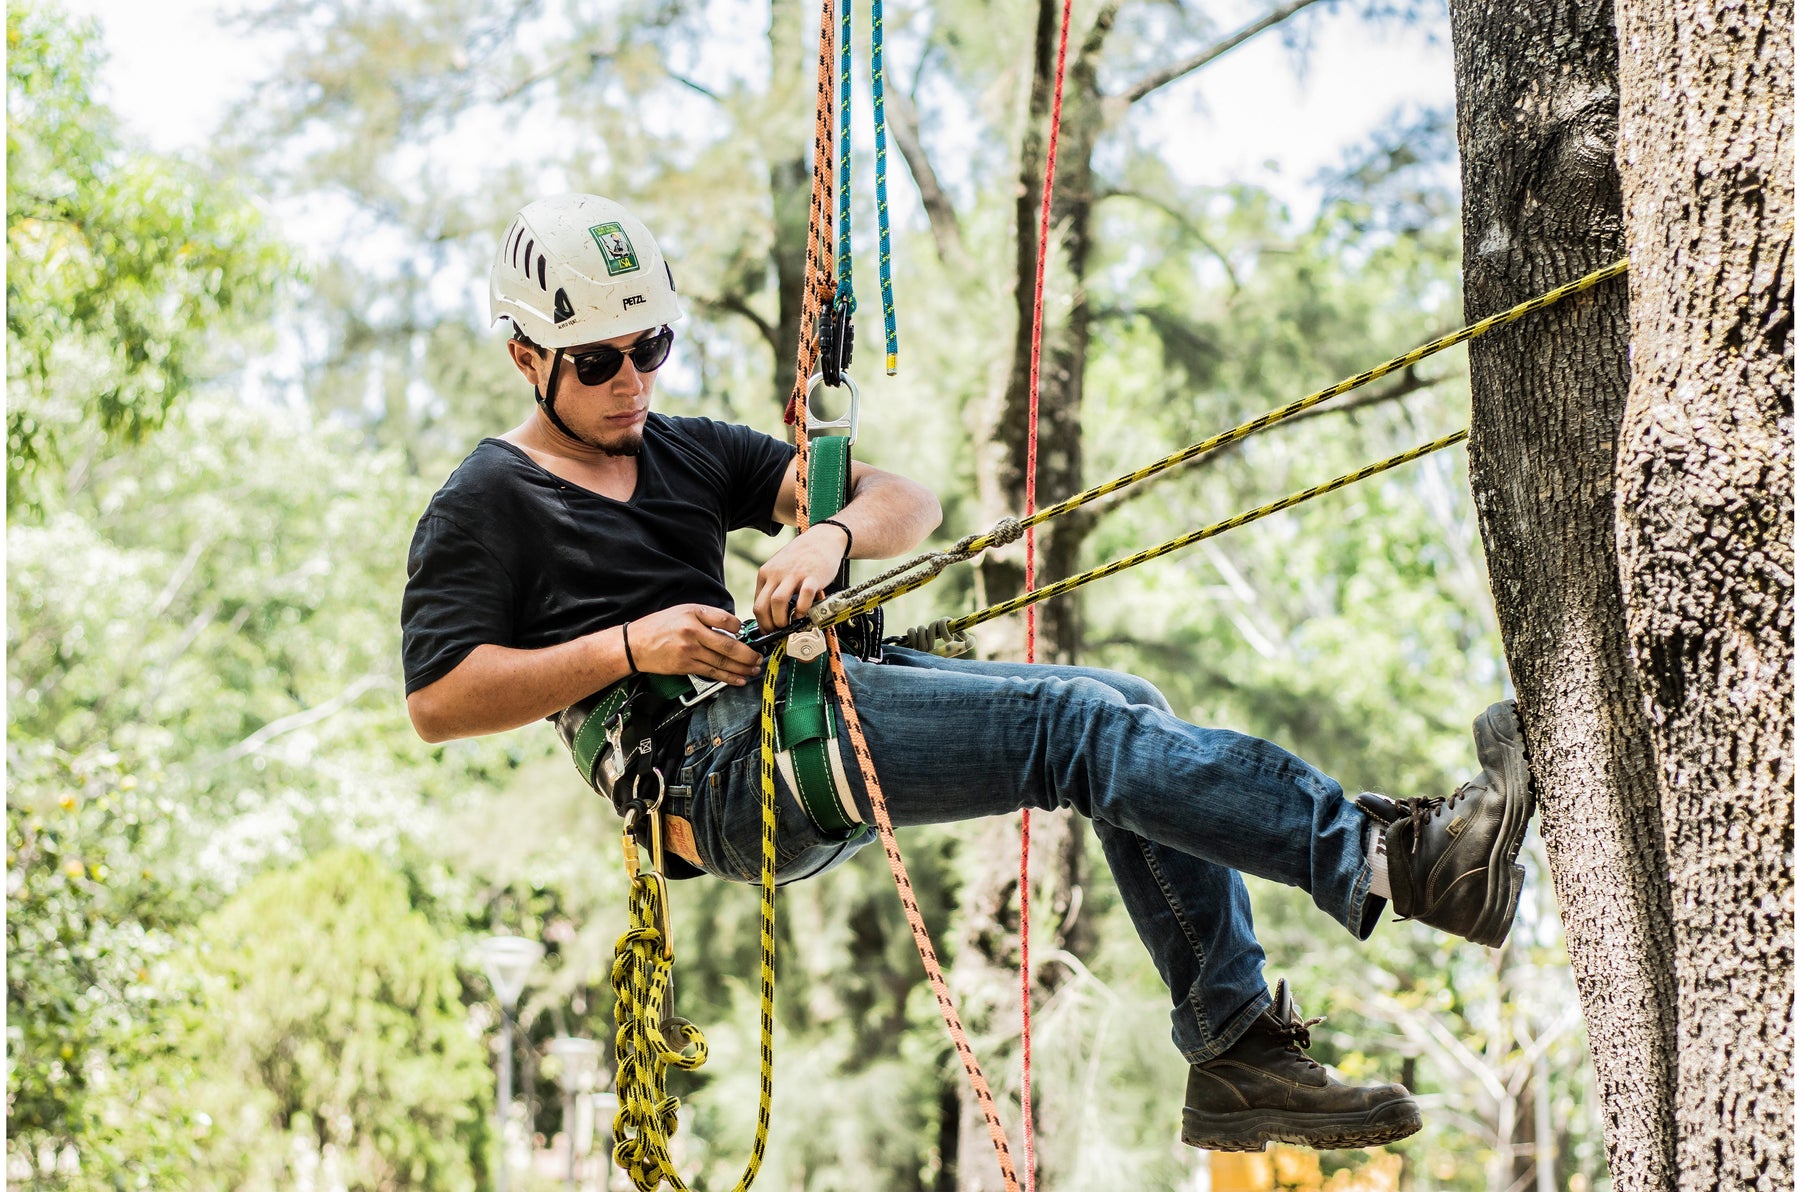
(631, 445)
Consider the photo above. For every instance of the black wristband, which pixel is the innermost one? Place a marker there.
(625, 637)
(849, 538)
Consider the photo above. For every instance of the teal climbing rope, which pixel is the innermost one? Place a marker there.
(845, 298)
(889, 324)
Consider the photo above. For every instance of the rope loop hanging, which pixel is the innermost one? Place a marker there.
(647, 1119)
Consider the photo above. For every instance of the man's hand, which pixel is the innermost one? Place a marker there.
(693, 639)
(791, 581)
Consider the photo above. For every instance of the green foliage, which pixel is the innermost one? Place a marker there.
(337, 1042)
(124, 271)
(97, 1004)
(206, 711)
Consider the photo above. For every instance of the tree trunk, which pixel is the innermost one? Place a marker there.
(1001, 478)
(986, 955)
(1706, 517)
(1537, 117)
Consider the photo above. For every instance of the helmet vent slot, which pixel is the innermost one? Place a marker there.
(542, 284)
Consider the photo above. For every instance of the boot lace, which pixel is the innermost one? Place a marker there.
(1422, 810)
(1296, 1035)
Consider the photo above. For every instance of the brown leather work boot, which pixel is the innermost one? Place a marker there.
(1265, 1090)
(1451, 861)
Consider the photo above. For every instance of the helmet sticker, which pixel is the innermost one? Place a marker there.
(615, 248)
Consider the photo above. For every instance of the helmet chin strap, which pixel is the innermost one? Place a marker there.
(546, 400)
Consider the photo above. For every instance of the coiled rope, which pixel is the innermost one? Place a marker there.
(646, 1119)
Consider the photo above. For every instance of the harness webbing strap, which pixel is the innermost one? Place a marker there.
(806, 725)
(590, 736)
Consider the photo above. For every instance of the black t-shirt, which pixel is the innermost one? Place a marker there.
(508, 554)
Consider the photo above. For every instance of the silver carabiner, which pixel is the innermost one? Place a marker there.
(847, 423)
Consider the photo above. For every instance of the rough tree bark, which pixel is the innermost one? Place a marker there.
(1537, 115)
(1706, 518)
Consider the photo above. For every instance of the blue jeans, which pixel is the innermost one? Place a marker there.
(1181, 811)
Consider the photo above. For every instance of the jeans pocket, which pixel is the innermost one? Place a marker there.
(732, 811)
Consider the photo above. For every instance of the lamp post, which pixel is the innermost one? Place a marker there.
(578, 1063)
(508, 960)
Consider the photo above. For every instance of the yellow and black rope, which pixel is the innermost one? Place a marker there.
(957, 625)
(646, 1121)
(915, 573)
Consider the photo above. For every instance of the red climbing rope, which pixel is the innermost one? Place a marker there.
(1031, 452)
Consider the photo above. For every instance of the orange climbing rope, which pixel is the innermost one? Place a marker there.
(820, 288)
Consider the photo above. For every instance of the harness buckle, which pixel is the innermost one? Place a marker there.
(702, 692)
(609, 767)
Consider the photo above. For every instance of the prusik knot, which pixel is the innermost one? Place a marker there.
(1007, 531)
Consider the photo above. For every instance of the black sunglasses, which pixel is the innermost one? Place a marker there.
(600, 365)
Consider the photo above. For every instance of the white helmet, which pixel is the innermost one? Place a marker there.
(574, 269)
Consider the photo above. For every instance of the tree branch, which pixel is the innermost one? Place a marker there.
(298, 720)
(735, 304)
(1185, 222)
(696, 86)
(940, 212)
(1097, 33)
(1405, 384)
(1168, 74)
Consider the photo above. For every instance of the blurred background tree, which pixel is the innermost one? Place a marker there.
(196, 738)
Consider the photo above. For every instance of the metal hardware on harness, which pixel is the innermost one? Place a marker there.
(837, 340)
(613, 761)
(703, 691)
(614, 732)
(633, 863)
(847, 423)
(806, 644)
(641, 814)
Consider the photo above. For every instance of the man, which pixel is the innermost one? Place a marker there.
(586, 545)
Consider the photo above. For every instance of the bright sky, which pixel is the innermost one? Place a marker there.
(1257, 114)
(1265, 113)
